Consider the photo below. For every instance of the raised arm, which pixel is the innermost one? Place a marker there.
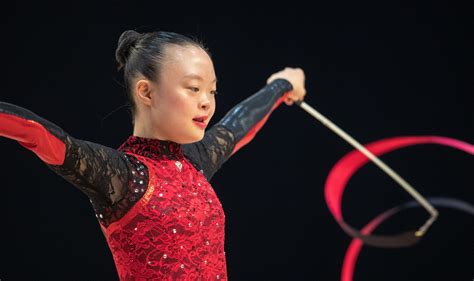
(246, 119)
(102, 173)
(240, 125)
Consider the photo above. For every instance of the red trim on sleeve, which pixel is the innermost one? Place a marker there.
(33, 136)
(251, 134)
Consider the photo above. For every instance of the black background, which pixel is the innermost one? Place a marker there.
(376, 70)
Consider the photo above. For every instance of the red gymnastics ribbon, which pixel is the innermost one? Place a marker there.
(353, 161)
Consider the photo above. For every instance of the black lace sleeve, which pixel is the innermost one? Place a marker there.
(236, 129)
(212, 151)
(102, 173)
(247, 114)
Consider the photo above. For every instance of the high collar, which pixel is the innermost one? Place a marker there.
(155, 149)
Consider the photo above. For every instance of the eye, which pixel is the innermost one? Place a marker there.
(214, 93)
(194, 89)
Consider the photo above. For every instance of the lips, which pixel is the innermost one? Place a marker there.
(200, 118)
(200, 121)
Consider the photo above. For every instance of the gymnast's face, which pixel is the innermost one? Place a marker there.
(185, 91)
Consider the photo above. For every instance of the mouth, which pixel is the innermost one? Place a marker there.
(200, 118)
(200, 121)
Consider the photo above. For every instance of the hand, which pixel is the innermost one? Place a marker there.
(296, 77)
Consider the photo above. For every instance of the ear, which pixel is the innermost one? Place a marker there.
(143, 90)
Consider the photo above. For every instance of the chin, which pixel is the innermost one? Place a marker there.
(192, 138)
(198, 137)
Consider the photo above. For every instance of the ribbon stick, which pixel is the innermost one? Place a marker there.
(401, 240)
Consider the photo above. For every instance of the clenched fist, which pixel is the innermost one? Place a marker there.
(296, 77)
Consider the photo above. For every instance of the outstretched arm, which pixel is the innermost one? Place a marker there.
(99, 171)
(247, 118)
(240, 125)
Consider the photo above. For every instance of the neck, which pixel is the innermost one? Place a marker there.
(142, 127)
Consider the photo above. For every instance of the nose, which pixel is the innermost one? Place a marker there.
(205, 103)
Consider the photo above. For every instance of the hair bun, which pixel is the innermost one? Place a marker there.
(127, 40)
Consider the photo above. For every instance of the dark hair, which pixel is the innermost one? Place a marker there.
(143, 53)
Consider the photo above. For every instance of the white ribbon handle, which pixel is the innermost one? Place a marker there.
(397, 178)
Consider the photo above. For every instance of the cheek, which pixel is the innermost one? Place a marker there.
(182, 106)
(175, 106)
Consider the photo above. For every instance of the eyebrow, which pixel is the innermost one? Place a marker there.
(195, 76)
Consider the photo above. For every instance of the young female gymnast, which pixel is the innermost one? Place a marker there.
(161, 218)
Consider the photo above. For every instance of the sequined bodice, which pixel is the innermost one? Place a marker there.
(175, 231)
